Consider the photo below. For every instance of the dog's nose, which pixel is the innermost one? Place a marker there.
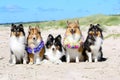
(53, 49)
(72, 31)
(34, 38)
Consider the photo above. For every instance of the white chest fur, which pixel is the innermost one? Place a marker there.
(95, 54)
(54, 55)
(97, 44)
(17, 45)
(73, 38)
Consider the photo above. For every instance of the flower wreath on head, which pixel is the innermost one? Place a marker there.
(73, 45)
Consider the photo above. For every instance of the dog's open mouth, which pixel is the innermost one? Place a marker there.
(72, 31)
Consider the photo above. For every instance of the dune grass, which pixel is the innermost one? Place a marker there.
(103, 20)
(112, 35)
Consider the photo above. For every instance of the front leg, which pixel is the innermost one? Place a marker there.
(89, 54)
(77, 59)
(25, 58)
(68, 58)
(96, 60)
(31, 57)
(37, 59)
(13, 57)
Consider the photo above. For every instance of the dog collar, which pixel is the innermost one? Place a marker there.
(37, 49)
(74, 45)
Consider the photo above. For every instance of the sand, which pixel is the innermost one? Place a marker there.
(106, 70)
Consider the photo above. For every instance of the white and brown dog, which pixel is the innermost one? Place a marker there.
(73, 41)
(17, 45)
(35, 45)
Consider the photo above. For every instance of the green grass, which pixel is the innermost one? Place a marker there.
(103, 20)
(112, 35)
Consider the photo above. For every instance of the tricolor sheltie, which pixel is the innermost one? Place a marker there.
(93, 44)
(35, 45)
(17, 45)
(73, 42)
(54, 49)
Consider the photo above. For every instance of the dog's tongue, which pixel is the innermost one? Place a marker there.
(72, 31)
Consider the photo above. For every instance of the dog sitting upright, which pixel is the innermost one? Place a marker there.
(73, 41)
(93, 44)
(17, 45)
(35, 45)
(54, 49)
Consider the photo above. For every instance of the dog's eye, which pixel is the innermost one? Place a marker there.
(51, 43)
(91, 32)
(21, 29)
(69, 27)
(76, 27)
(17, 30)
(55, 44)
(14, 30)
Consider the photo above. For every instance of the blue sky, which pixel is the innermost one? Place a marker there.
(39, 10)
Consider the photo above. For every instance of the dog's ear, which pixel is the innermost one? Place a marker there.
(77, 22)
(13, 25)
(59, 37)
(29, 29)
(20, 25)
(91, 25)
(68, 23)
(50, 37)
(38, 28)
(98, 25)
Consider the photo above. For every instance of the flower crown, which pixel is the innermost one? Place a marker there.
(74, 45)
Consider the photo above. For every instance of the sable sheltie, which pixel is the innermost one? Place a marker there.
(54, 49)
(93, 44)
(17, 45)
(35, 45)
(73, 41)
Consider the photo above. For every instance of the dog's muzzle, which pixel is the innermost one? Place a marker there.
(72, 31)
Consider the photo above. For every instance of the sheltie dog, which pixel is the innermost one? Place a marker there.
(54, 49)
(73, 42)
(93, 44)
(35, 45)
(17, 45)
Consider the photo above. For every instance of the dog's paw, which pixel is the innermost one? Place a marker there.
(77, 60)
(24, 62)
(30, 62)
(96, 60)
(45, 61)
(38, 61)
(58, 62)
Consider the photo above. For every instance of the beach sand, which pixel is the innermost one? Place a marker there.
(106, 70)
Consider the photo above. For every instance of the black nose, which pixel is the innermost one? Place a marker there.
(34, 38)
(53, 49)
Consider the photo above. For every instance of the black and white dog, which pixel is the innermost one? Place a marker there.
(54, 49)
(17, 45)
(93, 44)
